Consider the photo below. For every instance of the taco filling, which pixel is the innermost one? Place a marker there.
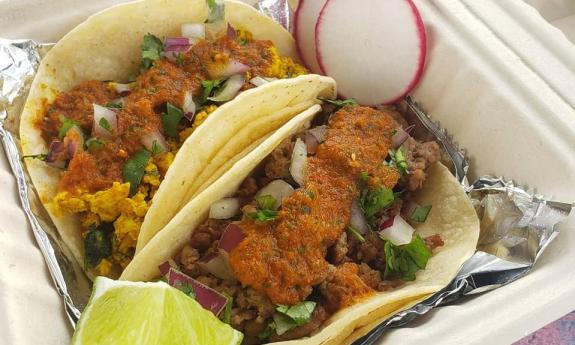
(321, 224)
(115, 141)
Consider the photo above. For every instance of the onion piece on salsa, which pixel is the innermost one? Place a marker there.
(278, 189)
(154, 142)
(298, 162)
(218, 265)
(189, 106)
(105, 121)
(232, 67)
(230, 89)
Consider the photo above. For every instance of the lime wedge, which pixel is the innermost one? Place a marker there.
(121, 312)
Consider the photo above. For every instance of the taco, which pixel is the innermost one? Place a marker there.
(319, 231)
(145, 104)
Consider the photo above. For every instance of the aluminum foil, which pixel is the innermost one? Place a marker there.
(516, 225)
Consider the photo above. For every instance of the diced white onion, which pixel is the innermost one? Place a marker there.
(225, 208)
(218, 265)
(194, 30)
(319, 132)
(298, 162)
(156, 137)
(230, 89)
(278, 189)
(110, 118)
(399, 233)
(358, 220)
(189, 106)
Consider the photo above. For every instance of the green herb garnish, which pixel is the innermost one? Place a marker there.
(134, 169)
(209, 86)
(67, 124)
(152, 48)
(156, 148)
(215, 11)
(266, 209)
(171, 120)
(339, 102)
(420, 213)
(94, 143)
(398, 160)
(355, 233)
(227, 318)
(404, 261)
(104, 123)
(114, 105)
(288, 317)
(97, 245)
(372, 201)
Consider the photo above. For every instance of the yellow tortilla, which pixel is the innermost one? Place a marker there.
(107, 47)
(452, 216)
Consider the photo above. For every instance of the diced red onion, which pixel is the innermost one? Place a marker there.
(259, 81)
(57, 154)
(319, 132)
(149, 138)
(231, 237)
(230, 89)
(218, 265)
(231, 68)
(104, 113)
(207, 297)
(225, 208)
(399, 233)
(74, 140)
(401, 135)
(165, 267)
(176, 42)
(194, 30)
(189, 106)
(231, 32)
(385, 222)
(298, 162)
(278, 189)
(122, 89)
(358, 220)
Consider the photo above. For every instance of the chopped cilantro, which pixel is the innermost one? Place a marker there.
(266, 209)
(267, 332)
(404, 261)
(288, 317)
(310, 194)
(209, 86)
(355, 233)
(156, 148)
(67, 124)
(420, 213)
(97, 245)
(398, 160)
(94, 143)
(227, 318)
(171, 120)
(152, 48)
(114, 105)
(133, 170)
(215, 11)
(339, 102)
(180, 59)
(364, 176)
(242, 41)
(372, 201)
(104, 123)
(186, 288)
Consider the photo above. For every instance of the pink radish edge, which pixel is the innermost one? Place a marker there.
(422, 48)
(296, 32)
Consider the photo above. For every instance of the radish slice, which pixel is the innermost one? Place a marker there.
(189, 106)
(225, 208)
(154, 142)
(165, 267)
(306, 17)
(194, 30)
(358, 220)
(231, 237)
(298, 162)
(105, 121)
(230, 89)
(374, 49)
(207, 297)
(399, 233)
(278, 189)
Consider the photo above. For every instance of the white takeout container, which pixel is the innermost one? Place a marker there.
(499, 78)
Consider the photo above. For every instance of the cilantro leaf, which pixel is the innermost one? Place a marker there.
(339, 102)
(404, 261)
(299, 313)
(355, 233)
(134, 169)
(209, 86)
(267, 332)
(94, 143)
(420, 213)
(114, 105)
(156, 148)
(171, 120)
(216, 11)
(152, 48)
(104, 123)
(67, 124)
(266, 209)
(227, 318)
(97, 245)
(372, 201)
(398, 160)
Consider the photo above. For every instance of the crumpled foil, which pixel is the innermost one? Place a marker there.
(516, 225)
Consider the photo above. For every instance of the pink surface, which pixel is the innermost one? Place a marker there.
(560, 332)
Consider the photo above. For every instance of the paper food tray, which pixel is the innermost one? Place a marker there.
(499, 78)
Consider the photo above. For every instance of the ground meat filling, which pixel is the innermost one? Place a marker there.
(343, 270)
